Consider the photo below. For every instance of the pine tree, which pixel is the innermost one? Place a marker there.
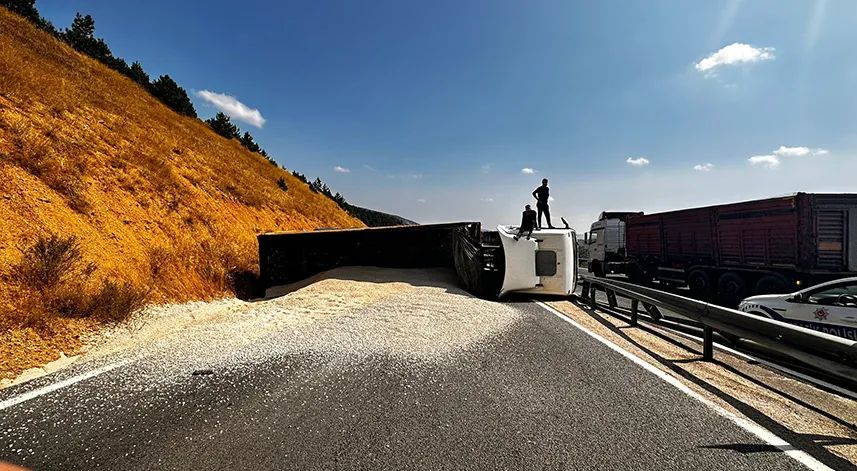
(46, 25)
(139, 75)
(251, 145)
(171, 94)
(340, 200)
(221, 124)
(316, 185)
(301, 177)
(25, 8)
(81, 35)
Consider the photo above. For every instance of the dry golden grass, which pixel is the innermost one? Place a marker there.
(155, 198)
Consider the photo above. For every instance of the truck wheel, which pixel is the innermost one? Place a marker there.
(597, 269)
(771, 284)
(700, 284)
(731, 288)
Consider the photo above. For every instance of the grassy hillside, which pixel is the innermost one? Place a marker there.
(155, 199)
(373, 218)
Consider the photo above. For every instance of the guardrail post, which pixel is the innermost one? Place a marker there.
(635, 304)
(653, 311)
(611, 298)
(592, 290)
(707, 343)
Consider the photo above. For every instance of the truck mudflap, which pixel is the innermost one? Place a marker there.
(520, 271)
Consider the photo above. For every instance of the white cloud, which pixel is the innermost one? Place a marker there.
(232, 107)
(486, 168)
(735, 53)
(488, 200)
(550, 199)
(638, 162)
(341, 169)
(421, 200)
(415, 176)
(784, 151)
(368, 167)
(770, 161)
(528, 171)
(703, 167)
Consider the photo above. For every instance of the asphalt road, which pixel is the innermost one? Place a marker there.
(540, 395)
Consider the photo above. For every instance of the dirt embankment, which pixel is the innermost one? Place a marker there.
(155, 199)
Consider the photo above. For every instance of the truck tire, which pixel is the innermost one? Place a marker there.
(772, 284)
(700, 284)
(731, 288)
(597, 269)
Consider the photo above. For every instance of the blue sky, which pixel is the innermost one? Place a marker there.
(436, 107)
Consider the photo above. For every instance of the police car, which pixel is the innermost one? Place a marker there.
(828, 307)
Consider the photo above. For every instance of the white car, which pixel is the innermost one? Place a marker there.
(828, 307)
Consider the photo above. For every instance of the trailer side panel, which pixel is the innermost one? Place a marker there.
(759, 233)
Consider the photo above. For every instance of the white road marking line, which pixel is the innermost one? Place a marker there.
(750, 426)
(62, 384)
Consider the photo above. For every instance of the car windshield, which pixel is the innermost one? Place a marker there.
(831, 294)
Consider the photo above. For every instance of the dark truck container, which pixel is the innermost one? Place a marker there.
(731, 251)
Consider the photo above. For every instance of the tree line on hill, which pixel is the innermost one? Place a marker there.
(81, 36)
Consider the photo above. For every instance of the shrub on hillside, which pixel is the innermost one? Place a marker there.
(50, 261)
(55, 280)
(281, 182)
(116, 302)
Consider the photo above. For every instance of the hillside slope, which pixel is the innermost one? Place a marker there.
(373, 218)
(155, 199)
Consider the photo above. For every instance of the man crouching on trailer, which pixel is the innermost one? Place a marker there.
(528, 222)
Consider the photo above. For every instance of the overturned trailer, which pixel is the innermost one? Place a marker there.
(489, 265)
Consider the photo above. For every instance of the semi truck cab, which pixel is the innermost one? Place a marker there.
(544, 264)
(606, 242)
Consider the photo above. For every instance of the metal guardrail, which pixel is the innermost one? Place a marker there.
(805, 345)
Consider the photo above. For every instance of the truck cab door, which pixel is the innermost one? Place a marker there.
(597, 247)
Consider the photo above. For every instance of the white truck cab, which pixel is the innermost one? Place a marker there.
(606, 241)
(546, 263)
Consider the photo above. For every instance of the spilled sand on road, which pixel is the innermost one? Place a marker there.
(343, 312)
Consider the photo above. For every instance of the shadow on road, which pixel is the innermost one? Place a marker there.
(745, 448)
(813, 444)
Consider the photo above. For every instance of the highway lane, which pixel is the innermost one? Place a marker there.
(540, 395)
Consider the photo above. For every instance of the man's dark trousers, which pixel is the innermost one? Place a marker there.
(544, 208)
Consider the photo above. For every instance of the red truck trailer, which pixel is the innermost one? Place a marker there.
(731, 251)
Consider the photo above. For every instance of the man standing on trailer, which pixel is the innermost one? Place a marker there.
(542, 195)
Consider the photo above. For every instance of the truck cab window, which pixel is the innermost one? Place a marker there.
(545, 263)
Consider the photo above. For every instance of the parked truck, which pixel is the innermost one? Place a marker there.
(727, 252)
